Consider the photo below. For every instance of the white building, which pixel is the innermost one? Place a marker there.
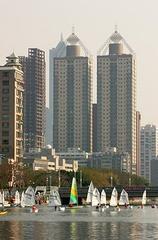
(55, 165)
(149, 149)
(58, 51)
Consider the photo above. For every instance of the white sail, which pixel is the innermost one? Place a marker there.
(113, 200)
(54, 199)
(103, 197)
(144, 198)
(29, 197)
(17, 198)
(124, 198)
(22, 202)
(95, 197)
(90, 193)
(1, 199)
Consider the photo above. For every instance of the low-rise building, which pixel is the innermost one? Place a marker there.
(75, 154)
(111, 159)
(55, 165)
(45, 159)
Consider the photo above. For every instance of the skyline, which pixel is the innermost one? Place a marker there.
(39, 24)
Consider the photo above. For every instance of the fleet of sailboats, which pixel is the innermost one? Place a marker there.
(94, 198)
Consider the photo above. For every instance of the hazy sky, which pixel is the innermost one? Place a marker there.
(38, 23)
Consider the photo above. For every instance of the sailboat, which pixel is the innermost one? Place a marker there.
(3, 203)
(17, 198)
(96, 198)
(113, 200)
(144, 198)
(103, 198)
(124, 201)
(2, 211)
(22, 202)
(54, 200)
(74, 195)
(1, 199)
(28, 198)
(90, 193)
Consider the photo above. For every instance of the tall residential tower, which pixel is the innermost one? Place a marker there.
(11, 109)
(116, 97)
(34, 98)
(149, 149)
(72, 117)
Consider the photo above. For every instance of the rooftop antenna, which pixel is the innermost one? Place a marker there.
(73, 29)
(116, 28)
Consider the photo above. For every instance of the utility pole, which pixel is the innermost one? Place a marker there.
(50, 181)
(130, 181)
(80, 178)
(111, 180)
(59, 178)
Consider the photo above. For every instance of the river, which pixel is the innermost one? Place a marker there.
(79, 224)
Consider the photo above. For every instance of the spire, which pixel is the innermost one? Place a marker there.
(116, 28)
(61, 37)
(73, 29)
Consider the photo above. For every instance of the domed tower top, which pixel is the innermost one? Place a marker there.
(75, 47)
(114, 45)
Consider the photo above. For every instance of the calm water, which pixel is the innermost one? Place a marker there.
(75, 224)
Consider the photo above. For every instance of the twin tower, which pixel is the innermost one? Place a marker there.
(113, 124)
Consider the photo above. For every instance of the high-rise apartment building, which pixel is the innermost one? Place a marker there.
(138, 126)
(11, 109)
(72, 111)
(94, 124)
(58, 51)
(34, 98)
(149, 149)
(116, 97)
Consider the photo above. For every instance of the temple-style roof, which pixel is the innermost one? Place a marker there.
(13, 60)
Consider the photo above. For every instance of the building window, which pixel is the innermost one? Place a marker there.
(5, 90)
(5, 74)
(5, 125)
(5, 141)
(5, 82)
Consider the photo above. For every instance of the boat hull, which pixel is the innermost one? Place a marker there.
(3, 213)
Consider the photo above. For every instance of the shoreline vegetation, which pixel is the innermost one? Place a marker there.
(25, 177)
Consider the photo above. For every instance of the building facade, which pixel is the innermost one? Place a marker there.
(138, 147)
(149, 149)
(94, 124)
(34, 98)
(58, 51)
(111, 159)
(72, 116)
(11, 109)
(116, 97)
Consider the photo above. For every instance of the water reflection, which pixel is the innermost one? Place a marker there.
(79, 224)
